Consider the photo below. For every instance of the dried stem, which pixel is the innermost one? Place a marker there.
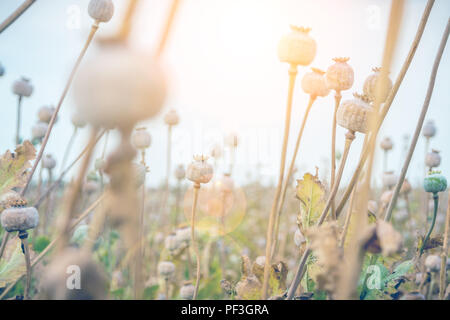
(4, 242)
(347, 220)
(419, 122)
(337, 99)
(292, 77)
(167, 27)
(52, 244)
(94, 29)
(194, 243)
(288, 176)
(444, 254)
(388, 103)
(19, 120)
(69, 147)
(26, 251)
(15, 15)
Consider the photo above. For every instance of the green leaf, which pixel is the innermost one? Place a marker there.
(401, 270)
(310, 192)
(12, 264)
(13, 167)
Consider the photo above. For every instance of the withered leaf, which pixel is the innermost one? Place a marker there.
(310, 192)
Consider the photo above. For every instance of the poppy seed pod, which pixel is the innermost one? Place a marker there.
(118, 88)
(370, 86)
(92, 282)
(180, 173)
(297, 47)
(433, 263)
(18, 217)
(299, 238)
(7, 198)
(386, 144)
(372, 206)
(184, 234)
(101, 10)
(429, 129)
(355, 114)
(433, 159)
(171, 118)
(166, 269)
(200, 171)
(48, 162)
(45, 113)
(23, 87)
(389, 179)
(141, 138)
(435, 182)
(340, 76)
(187, 291)
(39, 130)
(77, 120)
(315, 84)
(172, 242)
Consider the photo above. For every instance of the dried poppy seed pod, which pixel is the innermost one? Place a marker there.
(23, 87)
(429, 129)
(48, 162)
(171, 118)
(297, 47)
(433, 159)
(435, 182)
(118, 88)
(370, 86)
(78, 121)
(200, 171)
(184, 234)
(386, 144)
(8, 198)
(39, 130)
(372, 206)
(45, 113)
(172, 242)
(340, 75)
(315, 84)
(18, 217)
(389, 179)
(141, 139)
(225, 184)
(166, 269)
(433, 263)
(355, 114)
(299, 238)
(187, 291)
(101, 10)
(58, 285)
(2, 70)
(180, 173)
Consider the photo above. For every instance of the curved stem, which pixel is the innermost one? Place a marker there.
(194, 244)
(292, 77)
(15, 15)
(69, 147)
(420, 121)
(94, 29)
(288, 176)
(444, 254)
(337, 99)
(19, 119)
(433, 222)
(388, 103)
(167, 27)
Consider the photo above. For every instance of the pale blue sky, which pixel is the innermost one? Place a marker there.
(225, 76)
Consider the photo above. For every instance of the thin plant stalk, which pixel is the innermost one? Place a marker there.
(388, 103)
(433, 222)
(63, 173)
(4, 242)
(289, 174)
(16, 14)
(194, 243)
(347, 220)
(19, 119)
(419, 122)
(52, 244)
(269, 237)
(337, 99)
(444, 254)
(26, 251)
(167, 27)
(298, 274)
(94, 29)
(69, 147)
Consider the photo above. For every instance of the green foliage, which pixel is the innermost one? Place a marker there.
(40, 243)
